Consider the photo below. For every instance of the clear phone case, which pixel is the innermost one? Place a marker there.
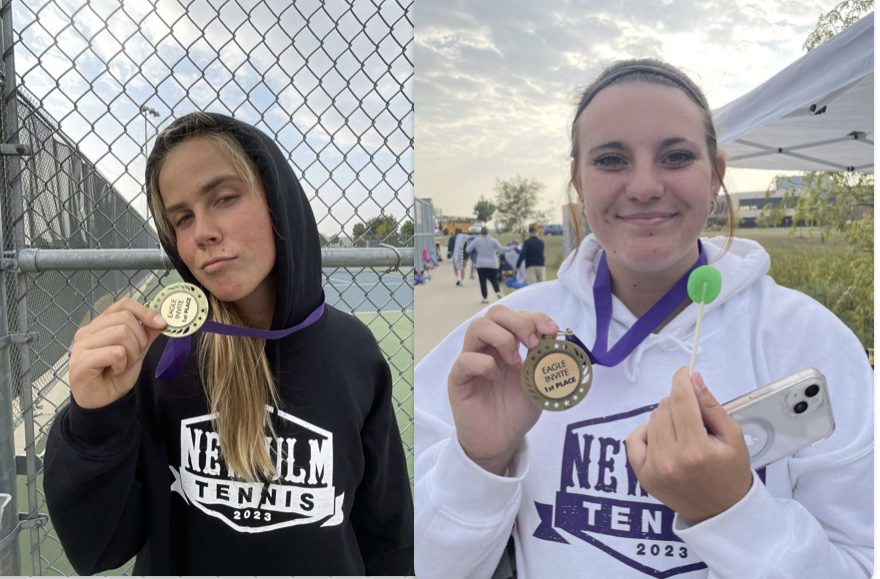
(784, 417)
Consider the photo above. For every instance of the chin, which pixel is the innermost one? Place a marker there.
(652, 256)
(224, 292)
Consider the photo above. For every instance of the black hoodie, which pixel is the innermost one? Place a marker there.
(143, 476)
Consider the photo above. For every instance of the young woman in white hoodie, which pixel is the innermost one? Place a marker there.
(648, 476)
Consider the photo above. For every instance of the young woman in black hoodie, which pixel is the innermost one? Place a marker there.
(246, 455)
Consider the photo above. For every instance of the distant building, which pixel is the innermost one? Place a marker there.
(748, 206)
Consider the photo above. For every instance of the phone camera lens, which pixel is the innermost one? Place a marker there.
(800, 407)
(812, 390)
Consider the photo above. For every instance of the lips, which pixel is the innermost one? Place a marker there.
(215, 264)
(647, 217)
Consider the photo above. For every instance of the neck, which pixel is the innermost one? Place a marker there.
(258, 308)
(640, 290)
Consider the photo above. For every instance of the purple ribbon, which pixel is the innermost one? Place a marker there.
(600, 354)
(177, 349)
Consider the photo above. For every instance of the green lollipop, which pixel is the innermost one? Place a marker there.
(704, 285)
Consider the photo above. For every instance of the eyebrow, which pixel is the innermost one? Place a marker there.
(205, 189)
(619, 146)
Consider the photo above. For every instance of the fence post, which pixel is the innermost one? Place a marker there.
(9, 558)
(10, 234)
(10, 563)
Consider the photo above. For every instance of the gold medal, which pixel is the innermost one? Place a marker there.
(184, 307)
(556, 374)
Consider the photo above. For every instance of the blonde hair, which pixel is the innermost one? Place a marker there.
(652, 71)
(234, 370)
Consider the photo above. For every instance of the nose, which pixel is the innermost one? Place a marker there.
(645, 183)
(206, 231)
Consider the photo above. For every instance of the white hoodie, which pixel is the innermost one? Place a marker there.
(573, 503)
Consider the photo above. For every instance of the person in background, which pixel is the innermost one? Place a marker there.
(459, 258)
(486, 250)
(532, 255)
(470, 256)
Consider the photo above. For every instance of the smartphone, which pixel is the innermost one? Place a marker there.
(784, 417)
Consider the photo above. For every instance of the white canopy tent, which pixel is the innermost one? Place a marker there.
(815, 115)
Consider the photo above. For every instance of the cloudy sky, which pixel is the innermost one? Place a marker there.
(496, 82)
(330, 79)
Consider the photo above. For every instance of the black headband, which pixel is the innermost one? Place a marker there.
(635, 69)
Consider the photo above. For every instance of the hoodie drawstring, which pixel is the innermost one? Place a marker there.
(664, 341)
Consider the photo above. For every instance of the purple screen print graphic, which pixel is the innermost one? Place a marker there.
(600, 501)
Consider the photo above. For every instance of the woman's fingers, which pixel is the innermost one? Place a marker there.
(714, 416)
(471, 365)
(685, 409)
(119, 336)
(526, 326)
(107, 327)
(503, 330)
(106, 353)
(485, 335)
(637, 447)
(491, 413)
(139, 311)
(113, 357)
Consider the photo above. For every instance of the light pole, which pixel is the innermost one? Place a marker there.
(147, 111)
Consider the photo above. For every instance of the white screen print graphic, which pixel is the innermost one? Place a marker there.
(600, 501)
(301, 492)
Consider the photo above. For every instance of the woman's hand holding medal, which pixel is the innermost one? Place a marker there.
(107, 354)
(490, 411)
(691, 455)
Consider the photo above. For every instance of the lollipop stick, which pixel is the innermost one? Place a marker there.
(697, 331)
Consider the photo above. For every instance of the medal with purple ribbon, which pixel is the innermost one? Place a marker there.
(548, 369)
(184, 307)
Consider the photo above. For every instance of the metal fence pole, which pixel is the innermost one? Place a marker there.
(10, 563)
(12, 165)
(9, 558)
(31, 260)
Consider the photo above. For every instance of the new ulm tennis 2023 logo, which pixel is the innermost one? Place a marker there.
(300, 493)
(600, 501)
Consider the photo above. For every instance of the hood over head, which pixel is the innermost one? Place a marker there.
(297, 244)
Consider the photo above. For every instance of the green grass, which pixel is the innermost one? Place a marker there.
(802, 260)
(830, 271)
(394, 332)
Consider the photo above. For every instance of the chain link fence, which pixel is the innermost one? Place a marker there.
(87, 86)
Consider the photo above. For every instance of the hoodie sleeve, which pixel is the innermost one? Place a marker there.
(93, 494)
(464, 514)
(826, 528)
(382, 511)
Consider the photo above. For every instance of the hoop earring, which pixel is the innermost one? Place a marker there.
(713, 205)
